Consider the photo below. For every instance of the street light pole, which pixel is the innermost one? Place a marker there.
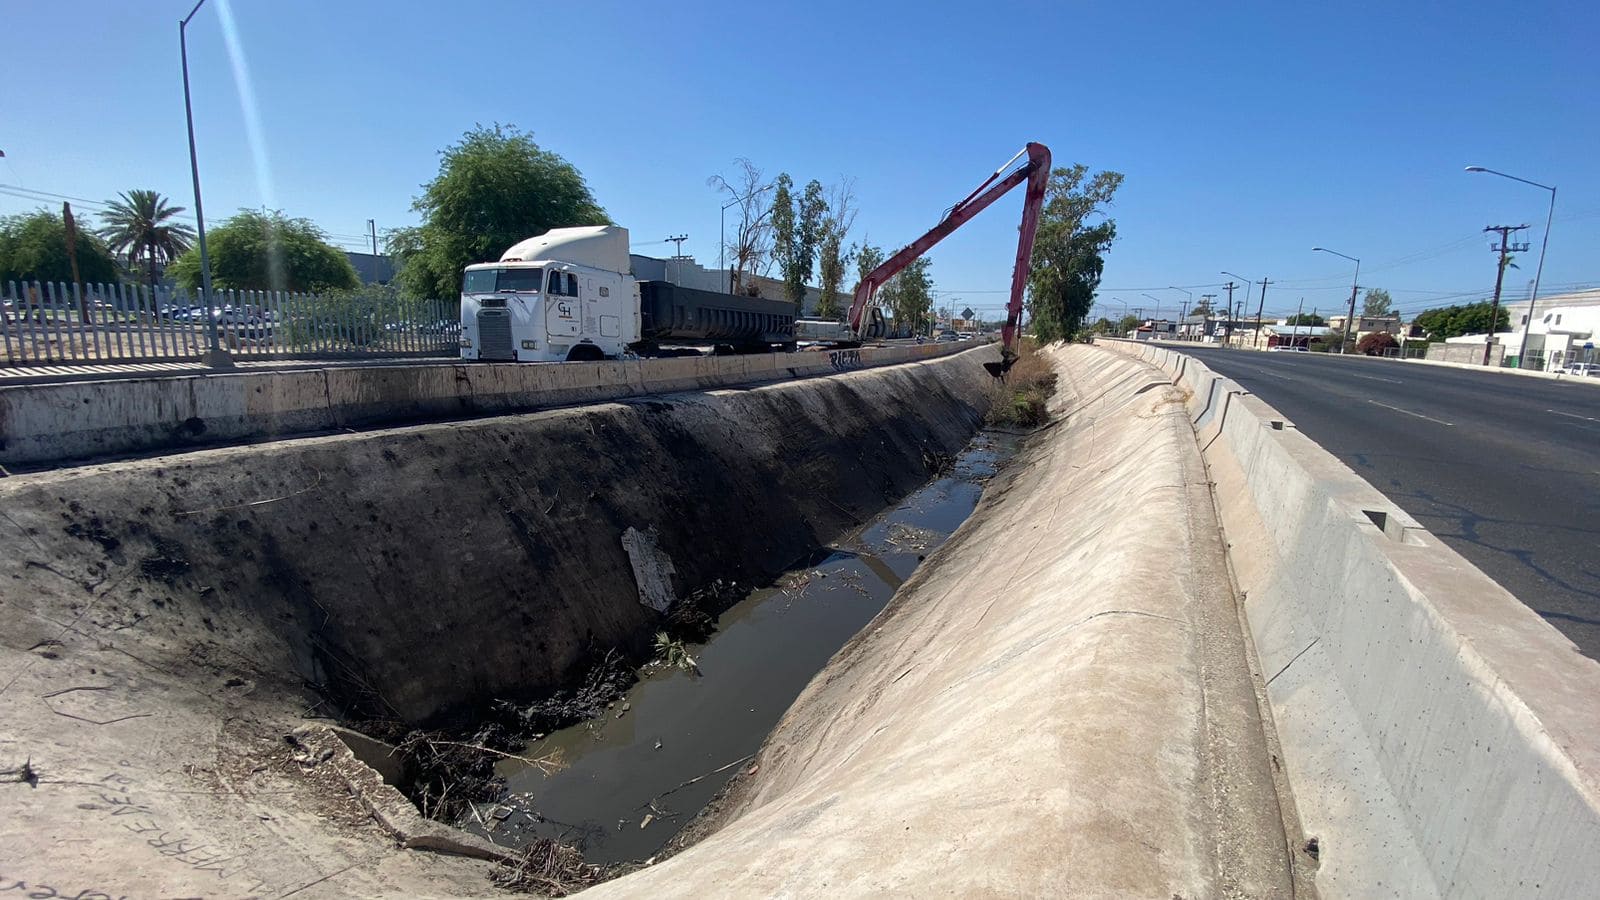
(1244, 304)
(1157, 316)
(1350, 321)
(214, 355)
(722, 231)
(1522, 348)
(1184, 313)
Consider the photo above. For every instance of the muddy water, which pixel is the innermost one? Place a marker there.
(627, 782)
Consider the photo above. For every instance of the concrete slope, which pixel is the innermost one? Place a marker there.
(1057, 704)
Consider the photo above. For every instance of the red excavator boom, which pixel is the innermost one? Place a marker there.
(1036, 172)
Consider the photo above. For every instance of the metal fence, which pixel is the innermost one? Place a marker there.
(58, 323)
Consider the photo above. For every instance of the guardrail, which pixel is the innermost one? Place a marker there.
(1439, 737)
(46, 423)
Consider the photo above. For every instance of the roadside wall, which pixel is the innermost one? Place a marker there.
(1439, 737)
(418, 570)
(1466, 353)
(50, 423)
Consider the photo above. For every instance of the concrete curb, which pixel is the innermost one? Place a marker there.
(52, 423)
(1440, 738)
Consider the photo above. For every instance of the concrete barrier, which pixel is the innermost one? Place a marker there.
(52, 423)
(1440, 738)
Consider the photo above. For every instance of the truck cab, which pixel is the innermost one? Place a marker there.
(564, 295)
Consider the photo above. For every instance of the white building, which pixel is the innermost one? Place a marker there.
(1561, 329)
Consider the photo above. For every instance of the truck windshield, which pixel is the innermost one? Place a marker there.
(488, 281)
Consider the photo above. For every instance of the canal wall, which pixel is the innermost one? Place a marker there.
(1440, 738)
(417, 572)
(45, 424)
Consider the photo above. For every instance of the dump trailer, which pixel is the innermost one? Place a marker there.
(569, 294)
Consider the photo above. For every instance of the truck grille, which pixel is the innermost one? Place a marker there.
(494, 335)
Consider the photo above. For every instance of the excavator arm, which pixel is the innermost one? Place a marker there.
(1035, 171)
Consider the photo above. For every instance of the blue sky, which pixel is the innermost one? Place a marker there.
(1248, 132)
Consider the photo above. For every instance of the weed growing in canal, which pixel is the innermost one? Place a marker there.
(672, 652)
(1019, 397)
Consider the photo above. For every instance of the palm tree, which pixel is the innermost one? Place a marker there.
(138, 226)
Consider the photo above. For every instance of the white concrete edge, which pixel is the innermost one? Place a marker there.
(1440, 735)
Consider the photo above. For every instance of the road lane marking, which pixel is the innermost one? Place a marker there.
(1410, 413)
(1375, 378)
(1572, 415)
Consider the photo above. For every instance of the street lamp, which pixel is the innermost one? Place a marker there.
(722, 230)
(1228, 327)
(1155, 318)
(1184, 313)
(214, 355)
(1350, 321)
(1522, 349)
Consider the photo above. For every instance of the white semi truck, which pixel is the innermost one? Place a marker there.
(569, 295)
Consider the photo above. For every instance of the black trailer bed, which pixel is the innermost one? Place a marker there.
(670, 313)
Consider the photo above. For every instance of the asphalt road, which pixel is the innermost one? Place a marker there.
(1504, 469)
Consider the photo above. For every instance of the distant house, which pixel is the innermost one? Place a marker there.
(372, 268)
(1366, 325)
(1281, 335)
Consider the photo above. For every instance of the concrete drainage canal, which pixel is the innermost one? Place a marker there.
(621, 785)
(487, 596)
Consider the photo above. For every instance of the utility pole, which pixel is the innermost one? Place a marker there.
(678, 239)
(1227, 315)
(1505, 249)
(1207, 298)
(1294, 340)
(1259, 307)
(372, 229)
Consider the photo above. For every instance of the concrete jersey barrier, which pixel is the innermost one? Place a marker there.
(50, 423)
(1440, 738)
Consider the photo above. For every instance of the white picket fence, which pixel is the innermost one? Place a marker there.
(57, 323)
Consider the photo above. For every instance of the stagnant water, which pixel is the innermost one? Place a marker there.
(627, 782)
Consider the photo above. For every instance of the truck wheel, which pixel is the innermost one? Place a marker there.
(585, 353)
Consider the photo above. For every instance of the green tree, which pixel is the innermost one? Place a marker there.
(869, 257)
(1068, 254)
(1124, 325)
(1376, 303)
(1454, 321)
(1202, 307)
(138, 224)
(796, 231)
(33, 247)
(833, 257)
(909, 295)
(268, 251)
(495, 187)
(1311, 319)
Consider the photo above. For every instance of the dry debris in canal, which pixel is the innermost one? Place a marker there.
(548, 868)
